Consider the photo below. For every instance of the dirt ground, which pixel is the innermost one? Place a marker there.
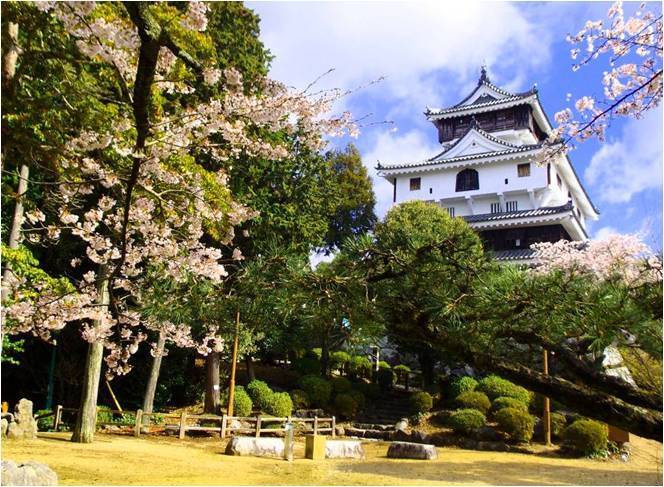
(155, 460)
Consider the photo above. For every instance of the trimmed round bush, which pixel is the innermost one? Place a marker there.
(494, 387)
(473, 400)
(242, 403)
(338, 360)
(359, 398)
(385, 378)
(260, 393)
(370, 390)
(360, 366)
(461, 385)
(307, 365)
(279, 404)
(299, 398)
(517, 423)
(318, 390)
(465, 421)
(558, 423)
(383, 365)
(341, 385)
(585, 437)
(345, 406)
(402, 372)
(507, 402)
(420, 402)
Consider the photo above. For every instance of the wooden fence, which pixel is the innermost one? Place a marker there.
(184, 422)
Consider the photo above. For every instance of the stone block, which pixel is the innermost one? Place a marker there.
(24, 425)
(402, 449)
(257, 447)
(344, 449)
(28, 473)
(314, 447)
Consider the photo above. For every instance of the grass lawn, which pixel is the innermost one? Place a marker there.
(116, 459)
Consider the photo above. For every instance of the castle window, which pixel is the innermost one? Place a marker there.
(467, 180)
(512, 205)
(495, 208)
(415, 184)
(523, 170)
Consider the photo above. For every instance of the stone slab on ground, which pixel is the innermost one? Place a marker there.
(403, 449)
(257, 447)
(344, 449)
(27, 473)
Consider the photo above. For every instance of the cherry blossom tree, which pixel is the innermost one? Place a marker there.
(632, 84)
(135, 194)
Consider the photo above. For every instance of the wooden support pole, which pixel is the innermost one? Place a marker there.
(334, 426)
(258, 427)
(58, 417)
(224, 422)
(231, 387)
(115, 400)
(137, 424)
(546, 414)
(183, 425)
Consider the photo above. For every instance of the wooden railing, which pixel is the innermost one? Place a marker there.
(184, 420)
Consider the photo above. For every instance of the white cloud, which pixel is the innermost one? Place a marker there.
(391, 147)
(604, 232)
(405, 41)
(632, 164)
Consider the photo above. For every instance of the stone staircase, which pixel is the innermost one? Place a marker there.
(380, 416)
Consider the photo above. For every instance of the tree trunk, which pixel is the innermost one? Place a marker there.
(151, 388)
(212, 399)
(426, 364)
(251, 373)
(87, 413)
(643, 422)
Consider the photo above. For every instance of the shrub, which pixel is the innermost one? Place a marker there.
(370, 390)
(494, 387)
(420, 402)
(507, 402)
(585, 436)
(517, 423)
(345, 406)
(104, 414)
(461, 385)
(260, 393)
(314, 353)
(279, 404)
(338, 360)
(318, 390)
(558, 423)
(242, 403)
(402, 372)
(299, 398)
(360, 366)
(383, 365)
(307, 366)
(385, 378)
(359, 398)
(341, 385)
(44, 424)
(465, 421)
(473, 400)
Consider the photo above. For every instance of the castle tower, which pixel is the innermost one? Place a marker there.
(487, 173)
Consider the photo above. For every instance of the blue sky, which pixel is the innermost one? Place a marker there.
(430, 54)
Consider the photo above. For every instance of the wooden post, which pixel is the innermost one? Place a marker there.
(115, 400)
(183, 425)
(137, 424)
(224, 421)
(334, 426)
(258, 427)
(58, 417)
(546, 414)
(315, 425)
(231, 388)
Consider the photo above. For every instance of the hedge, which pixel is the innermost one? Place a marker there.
(279, 404)
(260, 393)
(341, 385)
(473, 400)
(585, 437)
(420, 402)
(461, 385)
(345, 406)
(494, 387)
(507, 402)
(242, 403)
(318, 390)
(465, 421)
(517, 423)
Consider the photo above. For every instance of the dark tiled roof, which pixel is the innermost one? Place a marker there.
(513, 254)
(460, 108)
(545, 210)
